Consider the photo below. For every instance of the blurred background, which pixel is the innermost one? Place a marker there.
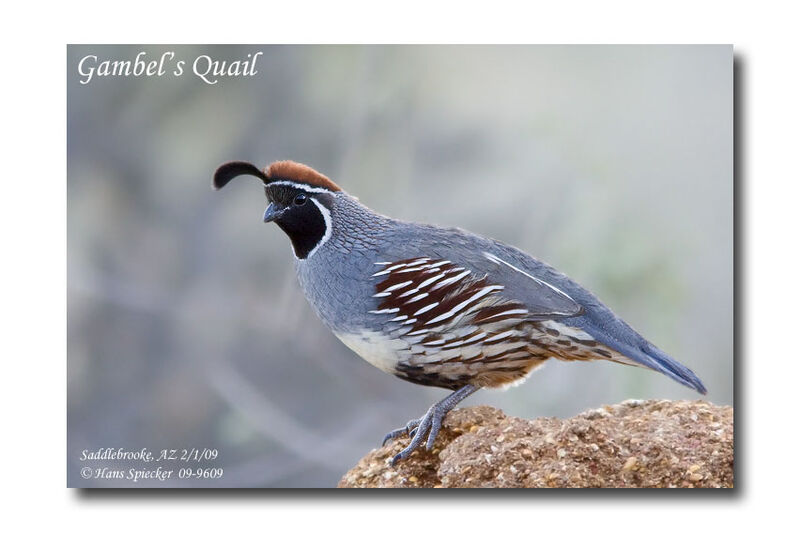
(186, 326)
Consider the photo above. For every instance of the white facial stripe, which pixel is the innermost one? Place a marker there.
(301, 186)
(326, 215)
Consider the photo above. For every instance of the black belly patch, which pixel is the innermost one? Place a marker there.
(416, 374)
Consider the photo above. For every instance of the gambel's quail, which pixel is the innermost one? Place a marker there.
(434, 306)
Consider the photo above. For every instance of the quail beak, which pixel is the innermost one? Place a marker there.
(273, 212)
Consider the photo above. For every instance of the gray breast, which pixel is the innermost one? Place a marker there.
(335, 279)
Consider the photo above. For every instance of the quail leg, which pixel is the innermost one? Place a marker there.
(429, 425)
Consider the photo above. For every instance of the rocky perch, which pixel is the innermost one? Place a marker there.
(634, 444)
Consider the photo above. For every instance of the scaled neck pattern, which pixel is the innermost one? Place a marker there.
(350, 227)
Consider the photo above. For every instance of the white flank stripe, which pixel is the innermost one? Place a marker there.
(410, 269)
(440, 318)
(477, 336)
(417, 298)
(440, 263)
(433, 343)
(418, 262)
(502, 335)
(398, 286)
(381, 294)
(408, 293)
(384, 311)
(409, 321)
(453, 345)
(448, 281)
(509, 312)
(497, 260)
(391, 268)
(480, 294)
(429, 281)
(492, 258)
(399, 318)
(426, 308)
(464, 341)
(382, 263)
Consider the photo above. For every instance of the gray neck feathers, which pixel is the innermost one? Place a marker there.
(355, 226)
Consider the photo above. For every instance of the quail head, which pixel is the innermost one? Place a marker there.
(435, 306)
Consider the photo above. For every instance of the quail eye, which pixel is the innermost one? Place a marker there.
(300, 199)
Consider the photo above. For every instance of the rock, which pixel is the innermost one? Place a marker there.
(637, 443)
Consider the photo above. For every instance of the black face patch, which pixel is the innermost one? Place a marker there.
(302, 219)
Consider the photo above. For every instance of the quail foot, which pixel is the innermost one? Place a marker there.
(437, 306)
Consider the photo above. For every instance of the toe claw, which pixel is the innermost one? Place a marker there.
(389, 436)
(393, 435)
(409, 429)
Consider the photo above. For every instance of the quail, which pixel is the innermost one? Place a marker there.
(434, 306)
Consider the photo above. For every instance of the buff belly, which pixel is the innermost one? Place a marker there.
(500, 359)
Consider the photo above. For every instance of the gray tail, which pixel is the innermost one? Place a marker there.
(640, 351)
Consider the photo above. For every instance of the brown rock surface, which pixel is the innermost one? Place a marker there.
(653, 443)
